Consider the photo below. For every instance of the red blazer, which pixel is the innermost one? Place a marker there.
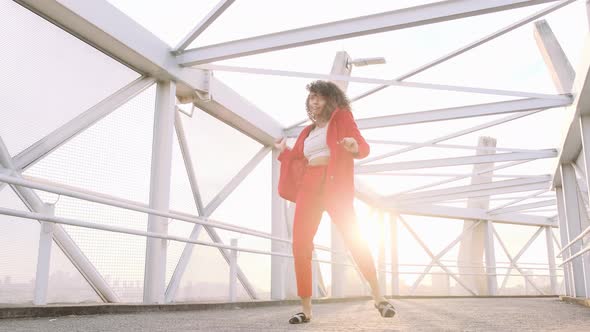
(340, 173)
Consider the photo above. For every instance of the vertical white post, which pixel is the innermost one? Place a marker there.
(585, 138)
(551, 259)
(381, 258)
(574, 228)
(44, 258)
(340, 66)
(567, 270)
(394, 254)
(588, 11)
(233, 271)
(490, 254)
(155, 258)
(471, 247)
(278, 229)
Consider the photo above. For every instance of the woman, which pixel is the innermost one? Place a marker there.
(318, 174)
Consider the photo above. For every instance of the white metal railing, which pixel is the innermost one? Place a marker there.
(572, 242)
(234, 249)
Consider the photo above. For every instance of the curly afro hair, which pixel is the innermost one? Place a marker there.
(335, 98)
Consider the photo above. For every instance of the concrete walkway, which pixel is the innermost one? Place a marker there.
(446, 314)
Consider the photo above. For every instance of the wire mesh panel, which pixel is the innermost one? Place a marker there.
(47, 75)
(19, 243)
(112, 157)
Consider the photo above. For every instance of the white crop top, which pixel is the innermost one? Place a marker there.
(315, 145)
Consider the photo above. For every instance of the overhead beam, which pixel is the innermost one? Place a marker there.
(203, 24)
(468, 188)
(467, 47)
(528, 206)
(473, 214)
(444, 162)
(230, 107)
(359, 26)
(104, 27)
(559, 66)
(449, 136)
(452, 113)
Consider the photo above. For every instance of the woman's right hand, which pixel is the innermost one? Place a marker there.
(281, 144)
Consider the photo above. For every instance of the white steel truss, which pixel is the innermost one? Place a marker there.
(107, 29)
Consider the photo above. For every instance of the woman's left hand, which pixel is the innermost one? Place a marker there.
(350, 144)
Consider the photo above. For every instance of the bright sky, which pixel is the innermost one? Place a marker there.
(511, 62)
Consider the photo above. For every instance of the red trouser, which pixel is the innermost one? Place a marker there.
(311, 202)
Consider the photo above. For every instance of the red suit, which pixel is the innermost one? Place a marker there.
(329, 188)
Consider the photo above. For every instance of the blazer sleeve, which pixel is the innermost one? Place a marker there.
(292, 153)
(352, 130)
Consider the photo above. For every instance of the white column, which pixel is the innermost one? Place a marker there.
(490, 254)
(564, 239)
(572, 214)
(278, 229)
(155, 258)
(340, 66)
(44, 258)
(471, 249)
(233, 271)
(394, 254)
(551, 259)
(588, 11)
(381, 257)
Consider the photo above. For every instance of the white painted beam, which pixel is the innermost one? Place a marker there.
(58, 137)
(449, 136)
(203, 24)
(60, 236)
(236, 180)
(360, 26)
(348, 78)
(106, 28)
(473, 214)
(528, 206)
(512, 106)
(467, 47)
(571, 143)
(230, 107)
(478, 188)
(444, 162)
(476, 193)
(559, 66)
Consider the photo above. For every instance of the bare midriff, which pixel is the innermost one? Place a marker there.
(319, 161)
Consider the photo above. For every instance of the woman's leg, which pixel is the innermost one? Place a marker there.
(308, 214)
(344, 217)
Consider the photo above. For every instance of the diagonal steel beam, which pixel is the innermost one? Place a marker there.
(449, 136)
(468, 47)
(360, 26)
(83, 121)
(34, 203)
(513, 260)
(435, 259)
(444, 162)
(207, 211)
(203, 25)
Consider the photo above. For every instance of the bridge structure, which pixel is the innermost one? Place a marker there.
(138, 172)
